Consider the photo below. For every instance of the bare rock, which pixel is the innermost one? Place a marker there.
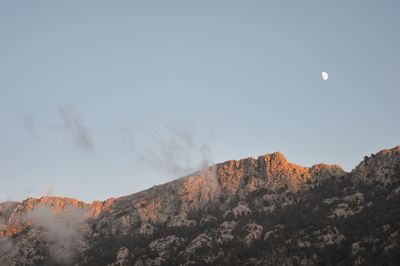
(382, 167)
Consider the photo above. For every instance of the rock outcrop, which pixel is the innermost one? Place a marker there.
(263, 211)
(379, 168)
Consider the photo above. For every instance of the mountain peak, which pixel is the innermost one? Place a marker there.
(278, 156)
(383, 166)
(227, 204)
(273, 171)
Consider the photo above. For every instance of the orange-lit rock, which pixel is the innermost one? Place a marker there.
(219, 203)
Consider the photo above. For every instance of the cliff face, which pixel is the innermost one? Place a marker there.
(380, 167)
(229, 213)
(272, 171)
(14, 216)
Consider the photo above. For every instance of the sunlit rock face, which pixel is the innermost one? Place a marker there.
(381, 167)
(263, 211)
(272, 171)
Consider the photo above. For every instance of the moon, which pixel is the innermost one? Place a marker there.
(324, 75)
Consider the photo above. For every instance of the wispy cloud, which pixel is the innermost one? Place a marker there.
(178, 151)
(29, 122)
(127, 137)
(62, 231)
(72, 122)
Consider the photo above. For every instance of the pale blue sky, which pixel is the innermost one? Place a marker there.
(105, 98)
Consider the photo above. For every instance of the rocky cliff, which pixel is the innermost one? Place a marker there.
(264, 211)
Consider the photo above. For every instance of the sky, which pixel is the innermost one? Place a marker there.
(106, 98)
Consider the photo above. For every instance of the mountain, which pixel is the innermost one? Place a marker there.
(264, 211)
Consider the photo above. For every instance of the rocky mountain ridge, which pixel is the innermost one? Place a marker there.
(234, 176)
(211, 215)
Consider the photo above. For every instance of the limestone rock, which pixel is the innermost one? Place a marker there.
(383, 167)
(253, 211)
